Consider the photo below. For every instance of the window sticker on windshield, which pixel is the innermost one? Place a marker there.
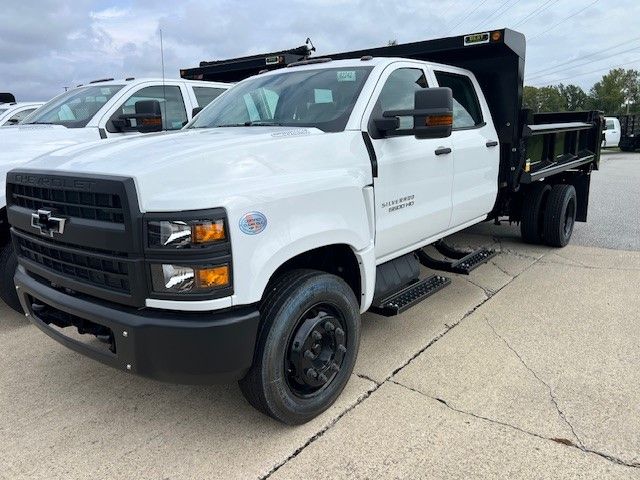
(346, 75)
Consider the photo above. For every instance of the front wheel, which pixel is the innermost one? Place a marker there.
(8, 265)
(307, 346)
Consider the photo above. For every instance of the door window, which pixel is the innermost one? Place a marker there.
(174, 113)
(610, 125)
(398, 93)
(206, 95)
(466, 108)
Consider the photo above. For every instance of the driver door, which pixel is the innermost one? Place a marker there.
(415, 176)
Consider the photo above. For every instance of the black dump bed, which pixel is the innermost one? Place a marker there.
(7, 98)
(532, 147)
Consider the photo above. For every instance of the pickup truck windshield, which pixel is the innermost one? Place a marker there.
(321, 98)
(75, 108)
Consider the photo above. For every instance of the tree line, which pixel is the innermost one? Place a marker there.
(618, 92)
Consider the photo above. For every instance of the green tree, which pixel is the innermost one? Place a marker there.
(618, 90)
(574, 97)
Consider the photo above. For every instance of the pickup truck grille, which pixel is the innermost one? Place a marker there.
(98, 251)
(106, 207)
(100, 271)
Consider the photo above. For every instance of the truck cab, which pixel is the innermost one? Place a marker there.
(103, 109)
(612, 132)
(15, 112)
(246, 246)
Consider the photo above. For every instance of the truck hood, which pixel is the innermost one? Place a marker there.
(202, 168)
(22, 143)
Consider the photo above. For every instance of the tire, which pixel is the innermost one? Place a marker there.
(8, 265)
(531, 223)
(624, 148)
(560, 215)
(296, 314)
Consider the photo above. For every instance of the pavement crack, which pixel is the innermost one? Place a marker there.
(325, 429)
(487, 291)
(552, 396)
(561, 441)
(501, 269)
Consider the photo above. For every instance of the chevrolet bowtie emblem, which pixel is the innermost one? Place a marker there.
(46, 224)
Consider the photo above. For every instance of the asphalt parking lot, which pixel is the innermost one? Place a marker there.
(527, 368)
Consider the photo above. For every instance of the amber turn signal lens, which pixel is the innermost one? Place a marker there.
(207, 232)
(213, 277)
(495, 36)
(439, 120)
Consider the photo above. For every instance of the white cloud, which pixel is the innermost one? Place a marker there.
(49, 44)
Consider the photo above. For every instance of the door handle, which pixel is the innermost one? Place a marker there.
(443, 151)
(491, 143)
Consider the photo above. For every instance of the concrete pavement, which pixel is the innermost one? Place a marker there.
(528, 368)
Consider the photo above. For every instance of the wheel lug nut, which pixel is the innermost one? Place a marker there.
(316, 335)
(329, 327)
(308, 354)
(322, 377)
(312, 373)
(339, 332)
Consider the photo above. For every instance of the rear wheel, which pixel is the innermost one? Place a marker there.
(307, 346)
(531, 223)
(560, 215)
(8, 265)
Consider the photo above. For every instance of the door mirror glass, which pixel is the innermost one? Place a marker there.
(432, 115)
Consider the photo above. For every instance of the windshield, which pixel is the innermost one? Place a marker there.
(75, 108)
(320, 98)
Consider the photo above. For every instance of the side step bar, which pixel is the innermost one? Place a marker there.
(457, 261)
(409, 296)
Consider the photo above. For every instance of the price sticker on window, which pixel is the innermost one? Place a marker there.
(346, 75)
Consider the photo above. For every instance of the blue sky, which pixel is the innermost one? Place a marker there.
(51, 44)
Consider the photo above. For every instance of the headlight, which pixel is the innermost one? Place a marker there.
(169, 278)
(185, 234)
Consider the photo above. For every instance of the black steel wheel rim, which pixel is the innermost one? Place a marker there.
(315, 350)
(569, 217)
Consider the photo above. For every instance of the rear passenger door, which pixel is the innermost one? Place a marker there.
(476, 153)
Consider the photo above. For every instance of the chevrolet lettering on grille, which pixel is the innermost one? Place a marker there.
(46, 224)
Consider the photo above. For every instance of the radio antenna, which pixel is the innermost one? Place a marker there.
(164, 90)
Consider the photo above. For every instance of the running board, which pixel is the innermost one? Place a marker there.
(457, 261)
(410, 296)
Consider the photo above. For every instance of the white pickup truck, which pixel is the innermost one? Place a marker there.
(101, 110)
(13, 113)
(246, 246)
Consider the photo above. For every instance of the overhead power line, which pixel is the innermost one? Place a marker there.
(563, 20)
(593, 71)
(580, 64)
(537, 11)
(584, 57)
(471, 12)
(497, 13)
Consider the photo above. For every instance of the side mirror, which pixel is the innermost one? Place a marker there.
(196, 111)
(148, 118)
(432, 114)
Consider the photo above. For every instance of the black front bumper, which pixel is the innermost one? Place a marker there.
(178, 347)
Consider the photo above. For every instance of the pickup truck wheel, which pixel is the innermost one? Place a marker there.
(560, 215)
(8, 265)
(307, 346)
(531, 223)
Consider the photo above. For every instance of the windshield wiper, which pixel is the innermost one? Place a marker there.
(252, 124)
(39, 123)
